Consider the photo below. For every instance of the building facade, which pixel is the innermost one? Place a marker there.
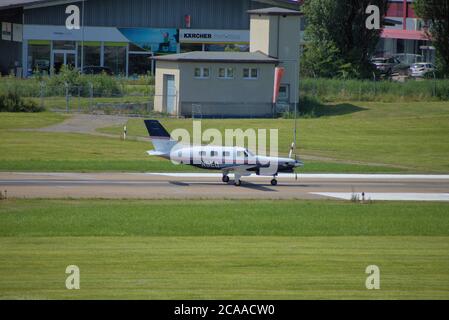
(407, 39)
(120, 35)
(235, 84)
(213, 84)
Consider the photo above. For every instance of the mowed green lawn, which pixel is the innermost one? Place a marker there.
(405, 136)
(223, 249)
(347, 138)
(50, 151)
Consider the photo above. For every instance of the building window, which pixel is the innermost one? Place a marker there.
(139, 64)
(64, 45)
(39, 57)
(250, 73)
(283, 93)
(92, 54)
(189, 47)
(202, 73)
(226, 73)
(115, 57)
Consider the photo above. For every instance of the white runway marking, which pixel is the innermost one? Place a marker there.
(388, 196)
(318, 176)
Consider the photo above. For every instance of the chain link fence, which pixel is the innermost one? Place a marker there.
(131, 100)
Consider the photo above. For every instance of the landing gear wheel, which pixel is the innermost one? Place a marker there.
(238, 183)
(274, 182)
(225, 179)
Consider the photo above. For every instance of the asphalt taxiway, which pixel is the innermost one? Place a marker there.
(209, 186)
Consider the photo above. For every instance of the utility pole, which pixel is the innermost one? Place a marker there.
(82, 38)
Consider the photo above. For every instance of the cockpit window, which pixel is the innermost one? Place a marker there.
(249, 153)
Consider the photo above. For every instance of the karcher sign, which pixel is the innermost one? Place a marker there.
(213, 36)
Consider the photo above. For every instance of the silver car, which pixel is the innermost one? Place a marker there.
(419, 70)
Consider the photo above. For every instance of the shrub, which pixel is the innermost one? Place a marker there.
(332, 90)
(79, 84)
(12, 102)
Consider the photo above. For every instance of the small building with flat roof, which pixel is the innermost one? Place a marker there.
(215, 84)
(234, 84)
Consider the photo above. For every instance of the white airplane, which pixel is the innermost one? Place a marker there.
(239, 161)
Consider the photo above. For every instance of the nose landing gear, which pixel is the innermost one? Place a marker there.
(274, 182)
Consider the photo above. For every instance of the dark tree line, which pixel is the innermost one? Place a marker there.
(436, 14)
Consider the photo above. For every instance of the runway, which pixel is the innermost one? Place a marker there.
(209, 186)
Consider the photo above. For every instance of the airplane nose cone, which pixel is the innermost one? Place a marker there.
(299, 163)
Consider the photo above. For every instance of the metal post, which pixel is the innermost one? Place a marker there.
(67, 97)
(79, 99)
(82, 40)
(296, 106)
(374, 77)
(434, 84)
(42, 84)
(91, 96)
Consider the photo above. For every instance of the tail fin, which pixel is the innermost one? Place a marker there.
(160, 137)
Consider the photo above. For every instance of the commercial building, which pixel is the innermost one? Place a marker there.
(407, 38)
(234, 84)
(120, 35)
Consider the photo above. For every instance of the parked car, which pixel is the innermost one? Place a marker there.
(97, 70)
(420, 70)
(387, 66)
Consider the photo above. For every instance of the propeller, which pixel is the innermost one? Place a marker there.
(292, 148)
(290, 155)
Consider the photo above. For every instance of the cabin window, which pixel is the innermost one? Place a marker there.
(226, 154)
(214, 154)
(203, 153)
(241, 154)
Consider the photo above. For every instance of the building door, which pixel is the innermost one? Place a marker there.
(170, 93)
(63, 57)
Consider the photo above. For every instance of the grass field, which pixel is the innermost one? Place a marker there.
(404, 136)
(348, 138)
(223, 250)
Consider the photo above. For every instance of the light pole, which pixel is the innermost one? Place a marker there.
(82, 38)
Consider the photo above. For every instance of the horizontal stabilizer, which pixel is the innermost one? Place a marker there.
(155, 153)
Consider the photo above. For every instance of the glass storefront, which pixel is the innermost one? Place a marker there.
(189, 47)
(92, 54)
(64, 45)
(226, 47)
(115, 55)
(122, 58)
(39, 53)
(139, 64)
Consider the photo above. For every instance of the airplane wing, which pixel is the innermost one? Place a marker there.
(242, 169)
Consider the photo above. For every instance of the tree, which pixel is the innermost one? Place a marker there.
(338, 41)
(436, 12)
